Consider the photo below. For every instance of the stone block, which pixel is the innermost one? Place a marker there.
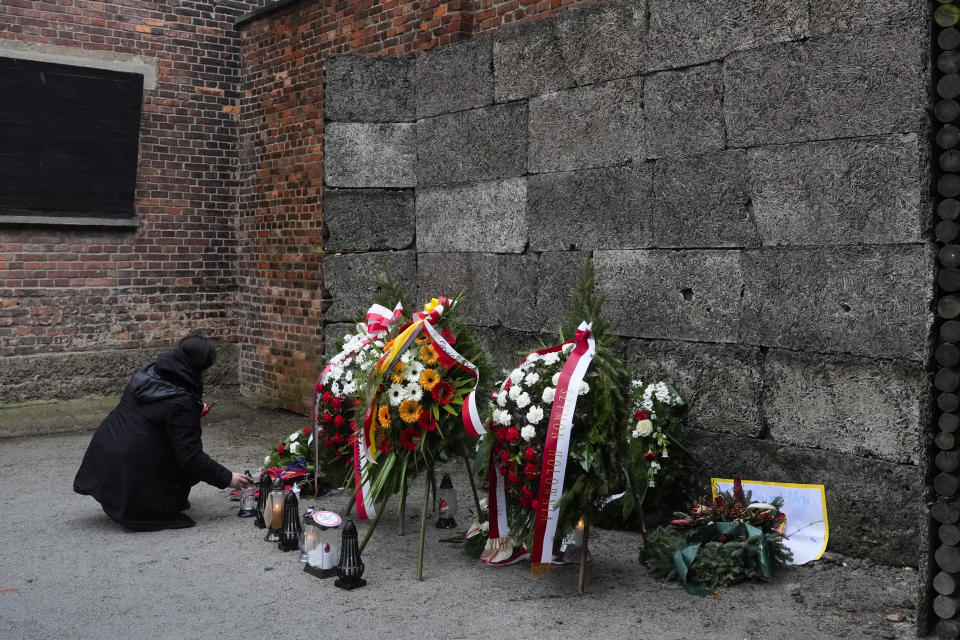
(684, 111)
(717, 213)
(866, 301)
(488, 216)
(863, 191)
(333, 333)
(528, 61)
(846, 15)
(351, 280)
(369, 219)
(834, 86)
(682, 33)
(875, 508)
(607, 208)
(473, 274)
(720, 384)
(685, 295)
(605, 41)
(455, 77)
(559, 271)
(870, 408)
(370, 155)
(470, 146)
(506, 349)
(378, 89)
(518, 285)
(593, 126)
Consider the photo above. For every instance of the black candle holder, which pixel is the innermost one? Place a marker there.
(291, 528)
(350, 567)
(263, 488)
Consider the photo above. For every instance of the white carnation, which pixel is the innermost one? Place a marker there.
(584, 389)
(295, 447)
(548, 394)
(533, 357)
(523, 400)
(531, 378)
(556, 378)
(335, 388)
(516, 376)
(535, 414)
(266, 459)
(502, 399)
(349, 388)
(293, 436)
(515, 392)
(551, 358)
(528, 432)
(501, 417)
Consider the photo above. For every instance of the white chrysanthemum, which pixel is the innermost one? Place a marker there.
(266, 459)
(349, 375)
(556, 378)
(501, 417)
(535, 414)
(636, 383)
(516, 376)
(548, 394)
(531, 378)
(335, 388)
(584, 389)
(396, 393)
(523, 400)
(514, 392)
(406, 357)
(413, 371)
(414, 391)
(293, 436)
(502, 398)
(349, 388)
(551, 358)
(347, 337)
(528, 432)
(295, 447)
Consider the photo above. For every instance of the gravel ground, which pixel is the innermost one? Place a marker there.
(69, 572)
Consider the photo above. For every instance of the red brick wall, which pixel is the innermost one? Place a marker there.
(86, 289)
(281, 160)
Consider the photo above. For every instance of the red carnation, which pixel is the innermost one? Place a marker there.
(281, 448)
(501, 434)
(326, 397)
(353, 424)
(336, 403)
(306, 430)
(443, 393)
(531, 470)
(327, 417)
(640, 415)
(327, 442)
(409, 438)
(527, 492)
(512, 435)
(444, 360)
(385, 446)
(504, 456)
(338, 438)
(426, 421)
(534, 504)
(513, 478)
(448, 336)
(524, 501)
(530, 454)
(318, 387)
(339, 421)
(649, 456)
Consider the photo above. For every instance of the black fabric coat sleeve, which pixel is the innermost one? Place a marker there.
(184, 435)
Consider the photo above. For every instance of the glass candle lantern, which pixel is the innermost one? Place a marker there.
(273, 514)
(263, 490)
(350, 567)
(447, 497)
(248, 501)
(290, 526)
(323, 530)
(307, 539)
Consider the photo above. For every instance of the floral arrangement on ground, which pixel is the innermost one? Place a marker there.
(720, 542)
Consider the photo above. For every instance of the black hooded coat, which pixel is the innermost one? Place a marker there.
(147, 453)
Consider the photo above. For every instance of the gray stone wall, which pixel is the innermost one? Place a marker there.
(752, 180)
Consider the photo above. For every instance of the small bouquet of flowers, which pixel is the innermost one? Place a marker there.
(720, 542)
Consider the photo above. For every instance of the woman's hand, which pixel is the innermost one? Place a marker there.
(240, 480)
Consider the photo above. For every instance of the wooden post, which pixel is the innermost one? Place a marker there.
(473, 485)
(582, 579)
(423, 524)
(373, 525)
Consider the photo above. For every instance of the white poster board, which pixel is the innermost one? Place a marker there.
(804, 505)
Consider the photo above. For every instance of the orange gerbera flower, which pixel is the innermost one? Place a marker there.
(421, 339)
(384, 416)
(429, 379)
(399, 378)
(399, 367)
(410, 411)
(428, 354)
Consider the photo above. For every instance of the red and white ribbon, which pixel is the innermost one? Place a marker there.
(556, 448)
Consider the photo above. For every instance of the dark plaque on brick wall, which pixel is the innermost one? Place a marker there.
(68, 140)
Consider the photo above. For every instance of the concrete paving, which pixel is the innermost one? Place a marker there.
(68, 572)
